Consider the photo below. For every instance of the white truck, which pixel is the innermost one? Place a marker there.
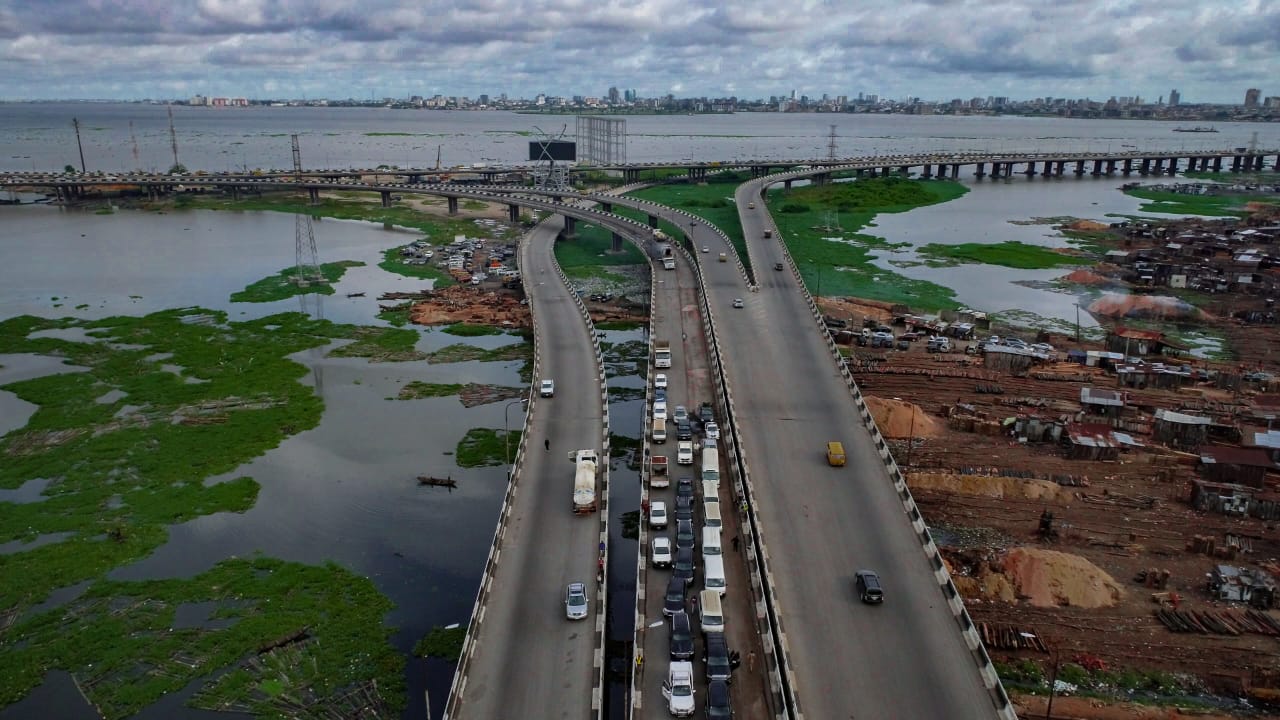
(584, 480)
(662, 353)
(669, 263)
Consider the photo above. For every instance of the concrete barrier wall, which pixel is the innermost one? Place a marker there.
(1000, 699)
(642, 559)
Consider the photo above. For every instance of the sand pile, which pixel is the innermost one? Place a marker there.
(1161, 307)
(987, 486)
(901, 419)
(1048, 578)
(1088, 225)
(1087, 277)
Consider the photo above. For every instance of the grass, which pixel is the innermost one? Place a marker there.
(468, 330)
(381, 345)
(392, 262)
(843, 267)
(593, 247)
(620, 325)
(281, 286)
(483, 447)
(398, 315)
(1210, 205)
(124, 475)
(459, 352)
(474, 205)
(1266, 176)
(713, 202)
(442, 642)
(1009, 254)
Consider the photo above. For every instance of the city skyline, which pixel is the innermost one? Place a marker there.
(268, 49)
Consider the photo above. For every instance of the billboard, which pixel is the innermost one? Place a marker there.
(553, 150)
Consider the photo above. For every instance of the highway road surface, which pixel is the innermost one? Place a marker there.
(530, 660)
(903, 659)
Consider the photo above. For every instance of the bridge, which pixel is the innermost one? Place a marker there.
(809, 526)
(994, 165)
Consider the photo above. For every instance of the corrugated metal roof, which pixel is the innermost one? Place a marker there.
(1098, 396)
(1248, 457)
(1137, 334)
(1181, 418)
(1266, 439)
(1091, 435)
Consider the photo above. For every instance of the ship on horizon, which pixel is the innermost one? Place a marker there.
(1198, 128)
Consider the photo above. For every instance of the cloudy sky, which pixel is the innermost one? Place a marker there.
(1211, 50)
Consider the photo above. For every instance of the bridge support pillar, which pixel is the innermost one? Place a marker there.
(786, 184)
(617, 242)
(1128, 166)
(1257, 163)
(904, 170)
(235, 191)
(1030, 171)
(453, 204)
(859, 172)
(955, 170)
(570, 227)
(1146, 167)
(415, 178)
(1048, 168)
(1173, 166)
(313, 194)
(1235, 163)
(1159, 166)
(1079, 168)
(513, 214)
(980, 170)
(1111, 167)
(607, 207)
(942, 171)
(822, 179)
(927, 171)
(386, 200)
(996, 167)
(1097, 168)
(653, 221)
(1276, 167)
(1217, 164)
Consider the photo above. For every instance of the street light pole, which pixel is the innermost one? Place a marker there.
(506, 434)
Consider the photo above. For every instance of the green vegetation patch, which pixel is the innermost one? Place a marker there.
(397, 315)
(380, 344)
(393, 262)
(842, 266)
(295, 634)
(620, 325)
(442, 642)
(713, 202)
(127, 469)
(284, 285)
(593, 247)
(468, 330)
(1010, 254)
(1211, 205)
(483, 447)
(459, 352)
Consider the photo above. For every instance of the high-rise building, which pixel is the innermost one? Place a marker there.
(614, 97)
(1251, 97)
(1175, 97)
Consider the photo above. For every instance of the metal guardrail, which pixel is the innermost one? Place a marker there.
(973, 640)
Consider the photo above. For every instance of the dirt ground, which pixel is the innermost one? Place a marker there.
(984, 493)
(1077, 708)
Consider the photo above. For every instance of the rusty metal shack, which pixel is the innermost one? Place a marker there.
(1104, 403)
(1091, 441)
(1242, 466)
(1139, 342)
(1242, 584)
(1179, 429)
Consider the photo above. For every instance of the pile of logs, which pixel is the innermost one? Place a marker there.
(1010, 637)
(1221, 622)
(1228, 550)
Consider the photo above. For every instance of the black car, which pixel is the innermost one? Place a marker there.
(715, 656)
(674, 600)
(681, 636)
(684, 533)
(683, 566)
(684, 431)
(684, 487)
(660, 394)
(718, 706)
(684, 509)
(706, 413)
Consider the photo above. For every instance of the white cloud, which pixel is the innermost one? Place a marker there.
(936, 49)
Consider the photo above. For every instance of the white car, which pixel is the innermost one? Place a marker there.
(684, 453)
(711, 430)
(678, 689)
(737, 303)
(660, 380)
(658, 514)
(547, 388)
(575, 601)
(660, 551)
(659, 409)
(682, 414)
(706, 249)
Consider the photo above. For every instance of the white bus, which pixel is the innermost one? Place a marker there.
(710, 466)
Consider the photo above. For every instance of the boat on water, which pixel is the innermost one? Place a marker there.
(1198, 128)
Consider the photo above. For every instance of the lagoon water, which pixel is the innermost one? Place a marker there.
(344, 491)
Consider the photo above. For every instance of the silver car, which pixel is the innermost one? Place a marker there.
(575, 601)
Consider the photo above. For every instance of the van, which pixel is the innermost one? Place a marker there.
(835, 454)
(711, 542)
(710, 612)
(711, 516)
(710, 466)
(710, 493)
(659, 430)
(713, 577)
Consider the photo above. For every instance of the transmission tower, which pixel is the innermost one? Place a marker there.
(547, 175)
(307, 270)
(831, 144)
(173, 141)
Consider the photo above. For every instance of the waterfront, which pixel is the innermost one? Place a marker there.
(341, 491)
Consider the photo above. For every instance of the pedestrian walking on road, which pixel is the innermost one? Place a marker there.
(547, 444)
(735, 543)
(751, 661)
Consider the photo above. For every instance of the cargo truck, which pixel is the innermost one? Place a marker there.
(662, 353)
(584, 480)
